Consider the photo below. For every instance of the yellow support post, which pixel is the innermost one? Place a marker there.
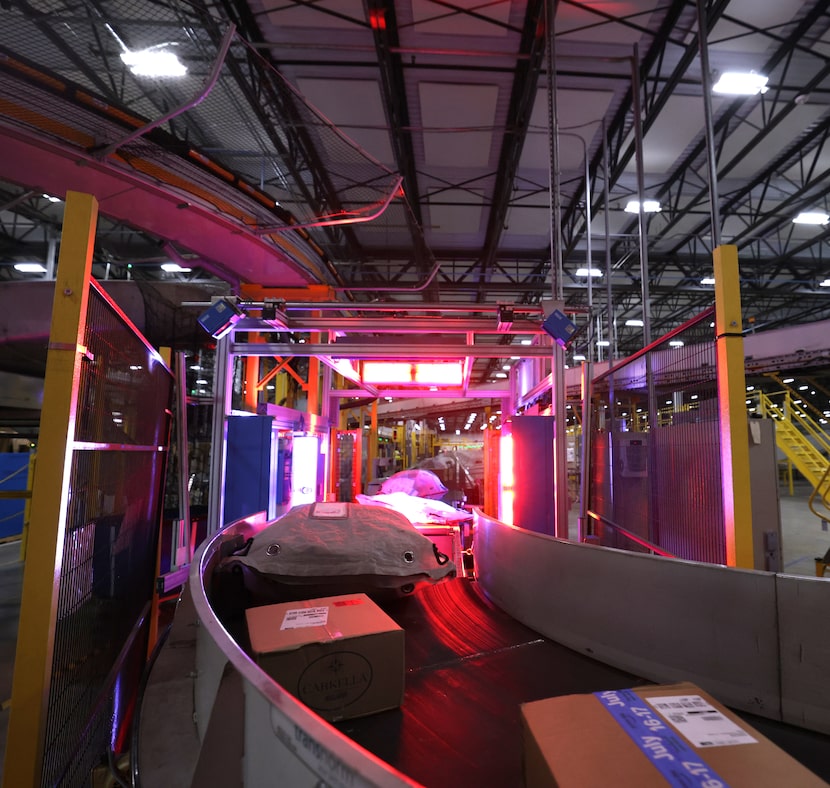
(27, 507)
(491, 472)
(729, 342)
(372, 450)
(35, 638)
(313, 398)
(251, 393)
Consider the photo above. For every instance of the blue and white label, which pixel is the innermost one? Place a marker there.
(700, 722)
(668, 752)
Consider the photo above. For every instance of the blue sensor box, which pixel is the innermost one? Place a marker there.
(559, 326)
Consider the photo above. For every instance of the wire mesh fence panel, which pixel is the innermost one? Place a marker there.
(655, 448)
(108, 560)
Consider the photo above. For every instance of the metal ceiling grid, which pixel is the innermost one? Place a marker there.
(452, 96)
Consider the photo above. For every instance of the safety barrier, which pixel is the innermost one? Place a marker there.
(95, 511)
(281, 735)
(660, 618)
(748, 637)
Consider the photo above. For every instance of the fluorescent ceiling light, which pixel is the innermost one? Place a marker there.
(588, 272)
(579, 357)
(811, 217)
(51, 198)
(154, 63)
(676, 343)
(30, 268)
(707, 280)
(825, 283)
(175, 268)
(634, 322)
(603, 343)
(735, 83)
(649, 206)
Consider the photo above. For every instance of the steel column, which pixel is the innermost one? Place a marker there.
(729, 342)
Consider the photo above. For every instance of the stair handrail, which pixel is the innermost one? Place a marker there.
(786, 387)
(824, 484)
(805, 423)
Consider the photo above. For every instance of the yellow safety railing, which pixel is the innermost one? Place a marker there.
(781, 405)
(807, 447)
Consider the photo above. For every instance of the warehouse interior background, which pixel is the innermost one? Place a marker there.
(409, 144)
(434, 177)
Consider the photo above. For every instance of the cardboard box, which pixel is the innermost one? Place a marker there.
(342, 656)
(669, 734)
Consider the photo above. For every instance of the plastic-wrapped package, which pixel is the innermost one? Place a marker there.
(323, 549)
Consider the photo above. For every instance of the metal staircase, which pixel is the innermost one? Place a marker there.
(807, 447)
(799, 437)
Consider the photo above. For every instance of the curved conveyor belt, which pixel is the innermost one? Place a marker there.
(469, 666)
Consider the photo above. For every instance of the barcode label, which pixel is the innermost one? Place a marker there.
(299, 617)
(700, 722)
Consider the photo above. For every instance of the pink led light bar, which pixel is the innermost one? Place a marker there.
(404, 373)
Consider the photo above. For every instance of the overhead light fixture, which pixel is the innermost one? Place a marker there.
(649, 206)
(579, 357)
(592, 272)
(634, 322)
(812, 217)
(603, 343)
(51, 198)
(444, 373)
(154, 62)
(676, 343)
(30, 268)
(402, 373)
(736, 83)
(825, 283)
(707, 280)
(175, 268)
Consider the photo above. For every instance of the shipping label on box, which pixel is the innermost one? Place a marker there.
(342, 656)
(661, 735)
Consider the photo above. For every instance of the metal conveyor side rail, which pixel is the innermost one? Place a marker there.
(284, 740)
(750, 638)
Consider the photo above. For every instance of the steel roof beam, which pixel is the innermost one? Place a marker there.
(522, 99)
(722, 127)
(383, 21)
(301, 156)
